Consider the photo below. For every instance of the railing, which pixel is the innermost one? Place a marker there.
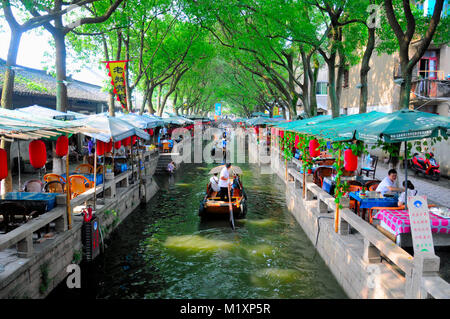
(420, 272)
(430, 88)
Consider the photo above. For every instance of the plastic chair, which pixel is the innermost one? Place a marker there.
(100, 169)
(373, 187)
(84, 169)
(353, 202)
(33, 185)
(78, 184)
(54, 177)
(54, 187)
(166, 147)
(356, 183)
(370, 183)
(320, 173)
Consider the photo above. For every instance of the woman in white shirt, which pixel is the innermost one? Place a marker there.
(411, 192)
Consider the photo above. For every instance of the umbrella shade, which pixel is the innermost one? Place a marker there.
(404, 125)
(300, 123)
(258, 114)
(46, 113)
(143, 122)
(218, 169)
(111, 128)
(262, 121)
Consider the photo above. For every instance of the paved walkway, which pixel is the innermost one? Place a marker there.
(437, 192)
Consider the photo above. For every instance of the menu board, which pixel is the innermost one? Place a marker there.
(419, 218)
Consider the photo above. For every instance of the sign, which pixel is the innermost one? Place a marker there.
(276, 111)
(419, 218)
(117, 74)
(218, 109)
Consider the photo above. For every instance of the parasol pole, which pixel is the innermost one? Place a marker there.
(18, 160)
(231, 208)
(336, 215)
(95, 175)
(406, 177)
(68, 195)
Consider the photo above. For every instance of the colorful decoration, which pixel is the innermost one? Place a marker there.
(314, 150)
(3, 164)
(350, 161)
(117, 74)
(62, 146)
(37, 153)
(126, 141)
(297, 140)
(100, 148)
(117, 145)
(108, 147)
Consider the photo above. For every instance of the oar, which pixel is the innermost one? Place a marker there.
(231, 208)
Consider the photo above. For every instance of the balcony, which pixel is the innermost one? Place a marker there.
(430, 88)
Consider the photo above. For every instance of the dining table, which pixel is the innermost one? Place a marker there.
(40, 202)
(397, 222)
(365, 202)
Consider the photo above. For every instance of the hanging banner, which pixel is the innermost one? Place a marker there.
(117, 73)
(218, 108)
(276, 111)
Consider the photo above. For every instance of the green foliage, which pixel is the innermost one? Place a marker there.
(45, 280)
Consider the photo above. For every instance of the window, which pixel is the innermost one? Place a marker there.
(345, 84)
(428, 64)
(321, 88)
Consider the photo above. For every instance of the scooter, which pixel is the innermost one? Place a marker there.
(427, 166)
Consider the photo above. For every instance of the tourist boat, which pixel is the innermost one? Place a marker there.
(212, 206)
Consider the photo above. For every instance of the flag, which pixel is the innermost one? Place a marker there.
(117, 74)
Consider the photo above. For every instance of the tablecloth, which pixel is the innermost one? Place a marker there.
(399, 223)
(374, 202)
(43, 202)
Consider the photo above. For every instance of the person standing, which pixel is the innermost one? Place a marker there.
(224, 181)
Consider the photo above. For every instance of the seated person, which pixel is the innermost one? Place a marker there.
(411, 192)
(214, 180)
(389, 183)
(170, 143)
(171, 167)
(236, 183)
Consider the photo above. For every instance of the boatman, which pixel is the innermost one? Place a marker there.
(224, 181)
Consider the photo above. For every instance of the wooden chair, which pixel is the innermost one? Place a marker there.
(54, 177)
(320, 173)
(33, 185)
(371, 168)
(84, 169)
(54, 187)
(79, 184)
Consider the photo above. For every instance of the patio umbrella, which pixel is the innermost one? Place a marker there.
(143, 122)
(403, 126)
(234, 169)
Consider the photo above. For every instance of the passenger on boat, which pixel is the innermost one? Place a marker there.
(215, 183)
(236, 183)
(224, 181)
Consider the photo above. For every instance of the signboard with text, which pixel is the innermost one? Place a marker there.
(419, 218)
(218, 109)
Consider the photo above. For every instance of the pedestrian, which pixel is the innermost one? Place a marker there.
(171, 167)
(224, 181)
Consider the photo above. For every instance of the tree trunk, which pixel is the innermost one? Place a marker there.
(405, 89)
(332, 89)
(150, 108)
(61, 70)
(365, 68)
(7, 100)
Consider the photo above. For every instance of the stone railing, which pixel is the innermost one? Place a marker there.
(420, 273)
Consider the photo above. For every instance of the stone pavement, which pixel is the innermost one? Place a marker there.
(437, 192)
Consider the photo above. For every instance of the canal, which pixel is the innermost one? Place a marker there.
(164, 250)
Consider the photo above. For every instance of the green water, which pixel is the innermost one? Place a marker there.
(164, 251)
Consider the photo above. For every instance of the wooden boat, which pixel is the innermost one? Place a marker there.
(213, 207)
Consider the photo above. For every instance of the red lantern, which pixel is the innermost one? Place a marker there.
(108, 147)
(134, 139)
(62, 146)
(281, 134)
(150, 132)
(3, 164)
(350, 161)
(297, 140)
(100, 148)
(314, 150)
(126, 141)
(117, 145)
(37, 153)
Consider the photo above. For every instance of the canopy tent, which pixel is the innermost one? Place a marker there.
(111, 128)
(300, 123)
(260, 114)
(341, 128)
(77, 115)
(404, 125)
(143, 122)
(159, 120)
(21, 125)
(262, 121)
(47, 113)
(240, 119)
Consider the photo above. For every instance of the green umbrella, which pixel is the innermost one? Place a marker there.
(404, 125)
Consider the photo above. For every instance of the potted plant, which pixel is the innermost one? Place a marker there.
(109, 168)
